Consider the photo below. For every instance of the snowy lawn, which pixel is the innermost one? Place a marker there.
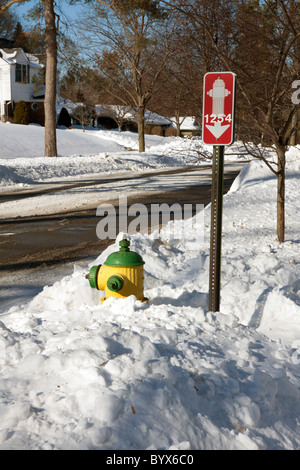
(90, 153)
(84, 156)
(169, 375)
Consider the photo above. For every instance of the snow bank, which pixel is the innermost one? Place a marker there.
(19, 141)
(169, 375)
(89, 153)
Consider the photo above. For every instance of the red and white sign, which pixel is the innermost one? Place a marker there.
(218, 108)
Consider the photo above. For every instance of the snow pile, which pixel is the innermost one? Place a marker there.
(18, 141)
(169, 375)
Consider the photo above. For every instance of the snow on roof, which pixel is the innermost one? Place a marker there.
(112, 109)
(153, 118)
(32, 58)
(68, 104)
(10, 56)
(186, 123)
(127, 113)
(33, 61)
(117, 110)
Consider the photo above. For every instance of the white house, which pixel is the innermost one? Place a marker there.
(17, 72)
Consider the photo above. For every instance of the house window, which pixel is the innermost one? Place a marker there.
(22, 73)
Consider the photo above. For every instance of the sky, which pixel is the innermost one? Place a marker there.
(23, 8)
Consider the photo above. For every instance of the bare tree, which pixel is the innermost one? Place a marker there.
(80, 83)
(118, 113)
(257, 41)
(179, 91)
(265, 88)
(134, 38)
(84, 114)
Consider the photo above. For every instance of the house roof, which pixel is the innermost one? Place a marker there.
(4, 42)
(186, 123)
(126, 112)
(130, 114)
(10, 56)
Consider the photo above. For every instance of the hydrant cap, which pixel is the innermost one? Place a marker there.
(92, 276)
(124, 257)
(115, 283)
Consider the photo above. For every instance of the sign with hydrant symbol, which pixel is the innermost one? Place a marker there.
(217, 130)
(218, 108)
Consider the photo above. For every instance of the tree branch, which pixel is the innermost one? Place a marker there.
(9, 3)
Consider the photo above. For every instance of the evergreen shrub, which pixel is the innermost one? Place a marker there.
(21, 113)
(64, 118)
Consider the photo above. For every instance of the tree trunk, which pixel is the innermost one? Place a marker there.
(51, 71)
(281, 196)
(177, 117)
(294, 137)
(141, 127)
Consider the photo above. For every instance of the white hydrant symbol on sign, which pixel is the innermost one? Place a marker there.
(218, 94)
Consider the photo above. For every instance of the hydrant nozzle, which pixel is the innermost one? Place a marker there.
(115, 283)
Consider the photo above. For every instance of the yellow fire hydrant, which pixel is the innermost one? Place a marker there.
(121, 275)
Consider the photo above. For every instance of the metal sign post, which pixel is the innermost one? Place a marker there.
(217, 130)
(216, 229)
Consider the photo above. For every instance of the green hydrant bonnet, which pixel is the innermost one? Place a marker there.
(124, 257)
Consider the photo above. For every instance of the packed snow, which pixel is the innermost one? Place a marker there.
(168, 375)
